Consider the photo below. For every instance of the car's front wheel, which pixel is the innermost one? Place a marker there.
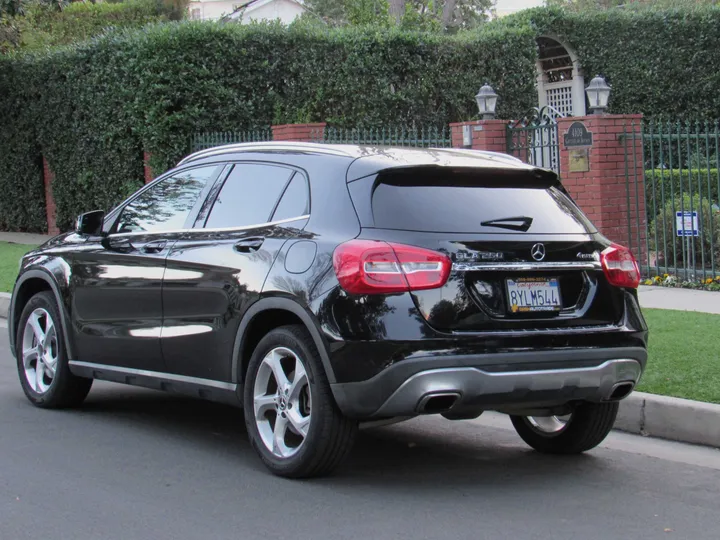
(42, 358)
(291, 417)
(584, 429)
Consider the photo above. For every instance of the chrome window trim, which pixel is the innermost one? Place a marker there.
(217, 229)
(156, 375)
(525, 266)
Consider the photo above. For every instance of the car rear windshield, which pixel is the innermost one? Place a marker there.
(496, 201)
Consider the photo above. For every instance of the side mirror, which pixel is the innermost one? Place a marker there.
(90, 223)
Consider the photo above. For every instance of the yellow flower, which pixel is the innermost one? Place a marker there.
(648, 282)
(666, 275)
(657, 279)
(708, 281)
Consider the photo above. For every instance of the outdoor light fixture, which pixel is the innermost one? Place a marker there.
(598, 93)
(486, 101)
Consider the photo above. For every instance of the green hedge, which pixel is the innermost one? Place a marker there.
(659, 62)
(667, 183)
(92, 109)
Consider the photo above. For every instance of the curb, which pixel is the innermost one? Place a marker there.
(4, 304)
(670, 418)
(640, 413)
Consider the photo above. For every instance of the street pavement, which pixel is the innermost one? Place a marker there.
(137, 464)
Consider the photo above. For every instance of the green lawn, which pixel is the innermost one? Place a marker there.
(9, 259)
(684, 355)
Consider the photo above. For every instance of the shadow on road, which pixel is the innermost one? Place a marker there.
(423, 453)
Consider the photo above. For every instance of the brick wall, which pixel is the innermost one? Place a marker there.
(488, 135)
(299, 132)
(612, 192)
(50, 209)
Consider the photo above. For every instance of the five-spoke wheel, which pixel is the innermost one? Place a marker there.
(40, 350)
(282, 402)
(290, 414)
(41, 357)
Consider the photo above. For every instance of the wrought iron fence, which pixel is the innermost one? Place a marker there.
(201, 141)
(534, 138)
(424, 136)
(680, 164)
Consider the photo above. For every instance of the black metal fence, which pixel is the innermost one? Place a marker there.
(680, 164)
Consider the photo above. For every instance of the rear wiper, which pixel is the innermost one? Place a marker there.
(521, 223)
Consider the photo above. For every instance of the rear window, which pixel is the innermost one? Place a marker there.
(497, 202)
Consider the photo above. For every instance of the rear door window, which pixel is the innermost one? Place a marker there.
(248, 196)
(294, 202)
(469, 202)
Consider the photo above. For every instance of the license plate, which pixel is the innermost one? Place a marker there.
(533, 294)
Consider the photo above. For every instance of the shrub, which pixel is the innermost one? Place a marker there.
(669, 247)
(93, 108)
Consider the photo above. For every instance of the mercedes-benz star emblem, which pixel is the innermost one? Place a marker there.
(538, 252)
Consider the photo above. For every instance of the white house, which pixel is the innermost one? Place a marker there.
(247, 10)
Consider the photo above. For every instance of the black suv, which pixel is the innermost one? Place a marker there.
(320, 286)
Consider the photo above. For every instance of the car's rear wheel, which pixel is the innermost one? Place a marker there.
(42, 358)
(584, 429)
(291, 417)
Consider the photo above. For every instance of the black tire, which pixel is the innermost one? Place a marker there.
(330, 435)
(587, 427)
(65, 389)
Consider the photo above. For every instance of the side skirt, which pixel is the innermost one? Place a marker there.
(208, 389)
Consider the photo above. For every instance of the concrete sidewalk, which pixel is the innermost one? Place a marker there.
(24, 238)
(679, 299)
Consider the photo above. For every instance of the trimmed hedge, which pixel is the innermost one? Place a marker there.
(659, 62)
(667, 182)
(93, 108)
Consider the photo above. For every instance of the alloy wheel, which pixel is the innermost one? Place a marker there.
(282, 402)
(548, 426)
(40, 350)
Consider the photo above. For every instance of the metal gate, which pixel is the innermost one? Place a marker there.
(675, 219)
(534, 138)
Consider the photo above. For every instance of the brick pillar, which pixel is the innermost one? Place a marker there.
(147, 170)
(486, 135)
(611, 192)
(50, 209)
(299, 132)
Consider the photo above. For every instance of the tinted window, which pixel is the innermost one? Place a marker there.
(462, 203)
(167, 204)
(294, 201)
(248, 196)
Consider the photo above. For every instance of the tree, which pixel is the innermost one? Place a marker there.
(409, 14)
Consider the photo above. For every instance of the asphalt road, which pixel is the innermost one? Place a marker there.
(135, 464)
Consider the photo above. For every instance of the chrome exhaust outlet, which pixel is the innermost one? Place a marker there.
(437, 403)
(620, 391)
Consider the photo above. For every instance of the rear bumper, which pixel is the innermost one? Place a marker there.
(476, 382)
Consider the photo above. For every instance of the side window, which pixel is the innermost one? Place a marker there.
(294, 201)
(167, 204)
(248, 196)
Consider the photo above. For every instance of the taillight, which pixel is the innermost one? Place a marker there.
(621, 268)
(374, 267)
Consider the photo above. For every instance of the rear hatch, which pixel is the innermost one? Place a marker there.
(523, 255)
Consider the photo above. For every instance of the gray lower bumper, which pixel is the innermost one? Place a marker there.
(474, 387)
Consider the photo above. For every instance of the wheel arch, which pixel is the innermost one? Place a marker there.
(265, 315)
(28, 285)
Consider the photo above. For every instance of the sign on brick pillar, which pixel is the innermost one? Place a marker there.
(50, 209)
(147, 170)
(486, 135)
(299, 132)
(594, 158)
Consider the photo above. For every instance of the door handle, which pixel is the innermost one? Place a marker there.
(249, 245)
(154, 247)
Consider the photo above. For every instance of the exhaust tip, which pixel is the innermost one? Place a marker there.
(437, 403)
(621, 391)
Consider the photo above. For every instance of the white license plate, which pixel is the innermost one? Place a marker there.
(533, 294)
